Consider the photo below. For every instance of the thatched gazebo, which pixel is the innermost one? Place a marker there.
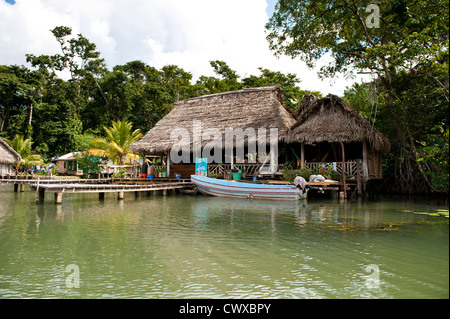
(254, 108)
(328, 128)
(8, 157)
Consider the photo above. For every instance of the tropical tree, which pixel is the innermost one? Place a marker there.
(404, 45)
(117, 143)
(23, 147)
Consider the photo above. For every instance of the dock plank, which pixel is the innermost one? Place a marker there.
(104, 188)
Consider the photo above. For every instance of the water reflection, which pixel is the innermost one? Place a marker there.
(207, 247)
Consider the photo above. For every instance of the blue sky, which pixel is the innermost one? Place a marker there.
(158, 32)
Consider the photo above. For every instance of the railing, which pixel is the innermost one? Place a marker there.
(249, 169)
(351, 167)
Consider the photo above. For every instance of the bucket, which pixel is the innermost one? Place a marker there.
(164, 174)
(237, 176)
(178, 176)
(150, 176)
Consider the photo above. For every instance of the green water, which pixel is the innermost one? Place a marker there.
(204, 247)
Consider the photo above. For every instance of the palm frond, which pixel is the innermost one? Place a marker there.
(118, 141)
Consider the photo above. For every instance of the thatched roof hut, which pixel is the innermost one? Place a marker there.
(323, 123)
(8, 156)
(331, 119)
(248, 108)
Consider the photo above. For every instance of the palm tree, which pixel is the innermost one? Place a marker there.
(23, 147)
(117, 143)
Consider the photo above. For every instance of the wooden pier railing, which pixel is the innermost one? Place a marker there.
(351, 167)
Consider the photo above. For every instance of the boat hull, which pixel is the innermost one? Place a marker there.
(224, 188)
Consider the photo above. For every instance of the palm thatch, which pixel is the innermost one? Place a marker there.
(7, 154)
(331, 119)
(248, 108)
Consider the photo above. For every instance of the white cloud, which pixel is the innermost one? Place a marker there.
(159, 32)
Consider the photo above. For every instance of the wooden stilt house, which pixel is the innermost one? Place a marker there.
(322, 132)
(328, 131)
(8, 158)
(205, 121)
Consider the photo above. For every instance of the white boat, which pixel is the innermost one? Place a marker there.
(249, 190)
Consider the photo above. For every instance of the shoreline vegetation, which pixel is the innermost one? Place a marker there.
(407, 100)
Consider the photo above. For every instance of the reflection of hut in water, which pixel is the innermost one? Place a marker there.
(328, 128)
(8, 157)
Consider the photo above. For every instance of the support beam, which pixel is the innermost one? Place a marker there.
(120, 195)
(101, 196)
(358, 176)
(364, 163)
(58, 198)
(40, 196)
(168, 165)
(22, 187)
(344, 186)
(302, 155)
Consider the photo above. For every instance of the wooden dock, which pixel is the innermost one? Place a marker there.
(100, 186)
(121, 185)
(59, 189)
(19, 183)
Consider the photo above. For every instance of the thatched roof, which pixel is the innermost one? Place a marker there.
(248, 108)
(331, 119)
(7, 154)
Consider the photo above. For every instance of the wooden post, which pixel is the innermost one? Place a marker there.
(302, 155)
(168, 165)
(358, 176)
(16, 187)
(365, 167)
(343, 171)
(232, 158)
(120, 195)
(101, 196)
(58, 198)
(40, 195)
(22, 187)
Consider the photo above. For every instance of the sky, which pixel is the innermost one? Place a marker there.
(188, 34)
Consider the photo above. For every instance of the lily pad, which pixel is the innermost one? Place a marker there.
(442, 212)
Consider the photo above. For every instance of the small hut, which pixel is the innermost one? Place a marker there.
(8, 157)
(254, 108)
(329, 130)
(68, 163)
